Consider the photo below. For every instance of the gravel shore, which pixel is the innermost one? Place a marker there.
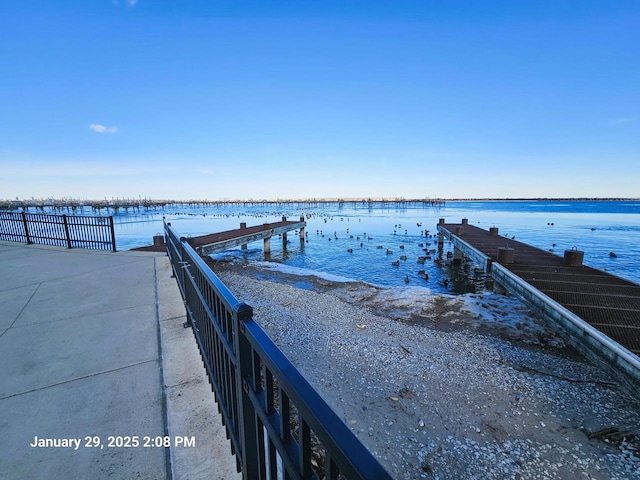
(446, 387)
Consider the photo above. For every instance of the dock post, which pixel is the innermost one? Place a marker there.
(302, 230)
(440, 235)
(457, 255)
(267, 245)
(499, 289)
(243, 226)
(284, 234)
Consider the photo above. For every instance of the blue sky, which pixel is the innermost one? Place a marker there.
(295, 99)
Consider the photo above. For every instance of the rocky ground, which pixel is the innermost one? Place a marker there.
(446, 387)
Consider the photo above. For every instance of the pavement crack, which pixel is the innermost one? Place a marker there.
(82, 377)
(86, 315)
(21, 310)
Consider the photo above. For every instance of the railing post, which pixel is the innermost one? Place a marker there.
(66, 229)
(181, 280)
(247, 427)
(166, 236)
(26, 228)
(113, 234)
(181, 272)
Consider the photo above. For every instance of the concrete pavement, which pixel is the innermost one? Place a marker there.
(96, 370)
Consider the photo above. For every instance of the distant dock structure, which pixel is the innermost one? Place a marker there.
(115, 205)
(599, 313)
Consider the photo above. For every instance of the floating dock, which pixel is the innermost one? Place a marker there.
(598, 312)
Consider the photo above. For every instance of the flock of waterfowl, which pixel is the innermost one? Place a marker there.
(426, 252)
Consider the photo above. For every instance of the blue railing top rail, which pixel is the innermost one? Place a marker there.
(263, 361)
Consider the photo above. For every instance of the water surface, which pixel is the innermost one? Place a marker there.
(345, 240)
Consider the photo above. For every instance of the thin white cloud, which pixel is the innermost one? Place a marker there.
(622, 120)
(130, 3)
(96, 127)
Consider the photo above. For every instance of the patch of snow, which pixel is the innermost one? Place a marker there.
(279, 267)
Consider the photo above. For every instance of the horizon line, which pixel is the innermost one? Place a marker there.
(306, 200)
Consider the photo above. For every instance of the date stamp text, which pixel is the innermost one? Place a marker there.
(115, 441)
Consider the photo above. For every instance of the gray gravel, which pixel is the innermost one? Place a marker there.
(434, 391)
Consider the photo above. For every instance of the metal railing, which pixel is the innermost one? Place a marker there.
(278, 425)
(71, 231)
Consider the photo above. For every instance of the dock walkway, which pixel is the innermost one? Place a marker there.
(215, 242)
(609, 303)
(220, 241)
(91, 347)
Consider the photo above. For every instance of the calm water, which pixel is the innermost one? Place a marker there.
(596, 227)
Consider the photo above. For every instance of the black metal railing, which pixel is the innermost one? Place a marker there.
(72, 231)
(278, 425)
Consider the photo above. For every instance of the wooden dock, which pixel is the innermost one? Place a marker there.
(217, 242)
(578, 298)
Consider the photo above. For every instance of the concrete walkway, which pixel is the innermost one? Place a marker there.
(92, 347)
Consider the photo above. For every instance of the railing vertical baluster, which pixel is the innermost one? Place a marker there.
(74, 228)
(285, 416)
(97, 230)
(266, 453)
(66, 230)
(82, 236)
(95, 227)
(268, 383)
(51, 230)
(330, 468)
(58, 229)
(246, 410)
(113, 233)
(35, 228)
(26, 228)
(41, 229)
(181, 273)
(305, 447)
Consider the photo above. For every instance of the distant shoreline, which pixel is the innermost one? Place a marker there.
(114, 200)
(546, 199)
(116, 204)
